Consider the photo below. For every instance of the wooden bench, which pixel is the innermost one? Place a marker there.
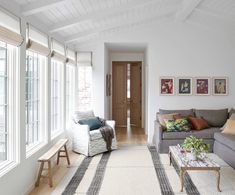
(58, 148)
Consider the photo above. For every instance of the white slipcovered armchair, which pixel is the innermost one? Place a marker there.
(89, 142)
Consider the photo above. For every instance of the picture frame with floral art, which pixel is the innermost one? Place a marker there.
(202, 86)
(167, 85)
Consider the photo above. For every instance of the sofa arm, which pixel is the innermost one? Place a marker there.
(157, 137)
(82, 131)
(110, 123)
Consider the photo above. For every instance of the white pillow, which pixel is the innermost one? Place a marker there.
(232, 117)
(78, 115)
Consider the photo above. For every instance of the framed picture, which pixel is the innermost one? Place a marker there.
(167, 85)
(184, 86)
(220, 85)
(202, 86)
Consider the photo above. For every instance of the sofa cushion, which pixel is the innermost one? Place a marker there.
(215, 118)
(205, 134)
(225, 139)
(199, 123)
(178, 125)
(93, 123)
(95, 134)
(232, 111)
(229, 127)
(231, 117)
(78, 115)
(163, 117)
(185, 112)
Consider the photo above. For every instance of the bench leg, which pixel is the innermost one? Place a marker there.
(39, 174)
(50, 174)
(58, 157)
(66, 153)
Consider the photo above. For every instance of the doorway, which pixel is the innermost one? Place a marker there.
(127, 102)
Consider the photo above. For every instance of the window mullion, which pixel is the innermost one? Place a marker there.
(6, 102)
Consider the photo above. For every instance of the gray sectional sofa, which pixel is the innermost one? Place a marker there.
(221, 144)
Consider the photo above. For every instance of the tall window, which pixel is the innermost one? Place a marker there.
(8, 63)
(56, 96)
(34, 66)
(70, 92)
(84, 87)
(3, 102)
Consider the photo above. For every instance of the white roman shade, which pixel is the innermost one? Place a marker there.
(71, 57)
(58, 51)
(84, 58)
(37, 41)
(10, 29)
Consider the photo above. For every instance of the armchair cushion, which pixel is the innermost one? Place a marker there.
(95, 134)
(93, 123)
(78, 115)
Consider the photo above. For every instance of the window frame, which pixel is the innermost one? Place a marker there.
(60, 89)
(41, 62)
(12, 145)
(70, 93)
(86, 80)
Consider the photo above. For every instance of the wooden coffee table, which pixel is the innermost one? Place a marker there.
(185, 165)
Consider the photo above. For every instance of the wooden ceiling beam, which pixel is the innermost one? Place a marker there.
(122, 24)
(187, 8)
(39, 6)
(101, 14)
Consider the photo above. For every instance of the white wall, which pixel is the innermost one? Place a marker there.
(175, 50)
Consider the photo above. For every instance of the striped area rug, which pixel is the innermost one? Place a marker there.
(140, 170)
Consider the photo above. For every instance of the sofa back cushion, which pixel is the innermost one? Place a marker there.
(199, 123)
(184, 112)
(215, 118)
(78, 115)
(162, 117)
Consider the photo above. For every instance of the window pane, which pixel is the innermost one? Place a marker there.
(34, 61)
(8, 61)
(84, 88)
(3, 102)
(2, 90)
(56, 100)
(3, 147)
(2, 59)
(70, 93)
(2, 119)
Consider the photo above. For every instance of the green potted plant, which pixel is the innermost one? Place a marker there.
(196, 146)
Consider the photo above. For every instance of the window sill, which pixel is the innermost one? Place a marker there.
(33, 149)
(7, 166)
(56, 134)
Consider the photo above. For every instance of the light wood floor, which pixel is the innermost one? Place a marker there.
(58, 173)
(125, 136)
(131, 135)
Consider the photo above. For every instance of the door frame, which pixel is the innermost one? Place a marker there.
(143, 91)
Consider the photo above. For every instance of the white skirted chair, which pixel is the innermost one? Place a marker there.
(89, 142)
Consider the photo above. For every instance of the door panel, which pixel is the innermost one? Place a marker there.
(119, 95)
(135, 102)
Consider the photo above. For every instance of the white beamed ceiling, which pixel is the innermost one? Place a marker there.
(82, 20)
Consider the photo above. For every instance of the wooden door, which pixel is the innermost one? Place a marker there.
(119, 93)
(135, 100)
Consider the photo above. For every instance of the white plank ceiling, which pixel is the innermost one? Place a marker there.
(82, 20)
